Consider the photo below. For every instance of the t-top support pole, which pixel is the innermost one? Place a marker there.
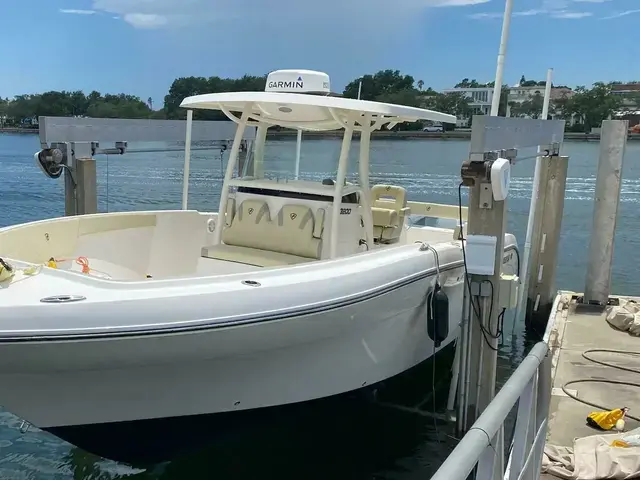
(298, 153)
(187, 160)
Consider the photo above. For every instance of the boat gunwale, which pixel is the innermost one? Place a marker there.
(319, 307)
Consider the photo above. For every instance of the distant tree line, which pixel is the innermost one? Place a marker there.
(587, 106)
(23, 108)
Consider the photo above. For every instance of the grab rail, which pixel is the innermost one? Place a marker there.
(530, 386)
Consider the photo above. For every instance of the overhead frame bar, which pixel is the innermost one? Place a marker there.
(69, 129)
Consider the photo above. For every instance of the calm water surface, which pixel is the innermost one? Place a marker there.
(363, 443)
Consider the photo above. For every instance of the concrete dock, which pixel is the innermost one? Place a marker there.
(572, 331)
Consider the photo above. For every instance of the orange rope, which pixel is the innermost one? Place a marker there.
(84, 262)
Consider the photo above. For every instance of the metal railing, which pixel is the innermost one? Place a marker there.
(483, 445)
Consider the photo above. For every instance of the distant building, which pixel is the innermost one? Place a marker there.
(625, 89)
(520, 94)
(479, 100)
(630, 103)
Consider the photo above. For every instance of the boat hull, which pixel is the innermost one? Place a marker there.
(150, 441)
(85, 381)
(242, 367)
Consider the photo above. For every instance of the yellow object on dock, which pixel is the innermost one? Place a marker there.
(606, 420)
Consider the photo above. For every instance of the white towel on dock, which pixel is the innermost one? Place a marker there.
(592, 458)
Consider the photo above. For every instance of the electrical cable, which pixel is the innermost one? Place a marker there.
(597, 380)
(486, 333)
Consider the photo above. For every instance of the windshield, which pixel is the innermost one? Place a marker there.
(318, 160)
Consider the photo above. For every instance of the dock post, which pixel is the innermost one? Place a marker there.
(486, 217)
(80, 184)
(613, 140)
(541, 289)
(70, 183)
(86, 191)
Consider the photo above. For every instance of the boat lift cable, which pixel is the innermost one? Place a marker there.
(605, 381)
(222, 147)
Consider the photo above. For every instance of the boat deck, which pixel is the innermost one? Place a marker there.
(576, 331)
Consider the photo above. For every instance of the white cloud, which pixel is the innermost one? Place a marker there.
(73, 11)
(621, 14)
(528, 13)
(523, 13)
(176, 13)
(570, 15)
(552, 8)
(485, 15)
(145, 20)
(457, 3)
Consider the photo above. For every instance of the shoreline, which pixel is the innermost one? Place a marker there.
(18, 130)
(384, 134)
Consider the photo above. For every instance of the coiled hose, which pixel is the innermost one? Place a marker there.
(611, 382)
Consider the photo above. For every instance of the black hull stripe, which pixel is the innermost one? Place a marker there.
(315, 309)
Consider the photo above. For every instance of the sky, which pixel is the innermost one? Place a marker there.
(140, 46)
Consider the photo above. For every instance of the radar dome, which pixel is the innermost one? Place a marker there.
(298, 81)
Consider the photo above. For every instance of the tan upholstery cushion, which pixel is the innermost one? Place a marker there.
(230, 213)
(384, 217)
(389, 209)
(294, 231)
(249, 225)
(318, 225)
(388, 196)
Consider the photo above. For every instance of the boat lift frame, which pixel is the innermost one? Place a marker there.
(79, 141)
(492, 137)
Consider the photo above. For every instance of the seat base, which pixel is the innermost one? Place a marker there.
(251, 256)
(388, 234)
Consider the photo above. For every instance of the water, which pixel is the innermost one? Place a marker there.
(370, 442)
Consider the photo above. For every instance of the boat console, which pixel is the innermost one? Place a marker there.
(282, 222)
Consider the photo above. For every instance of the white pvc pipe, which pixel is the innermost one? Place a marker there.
(359, 89)
(343, 163)
(298, 151)
(231, 165)
(535, 194)
(363, 172)
(502, 52)
(187, 161)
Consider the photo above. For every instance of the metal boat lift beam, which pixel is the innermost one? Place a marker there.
(493, 134)
(68, 129)
(82, 134)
